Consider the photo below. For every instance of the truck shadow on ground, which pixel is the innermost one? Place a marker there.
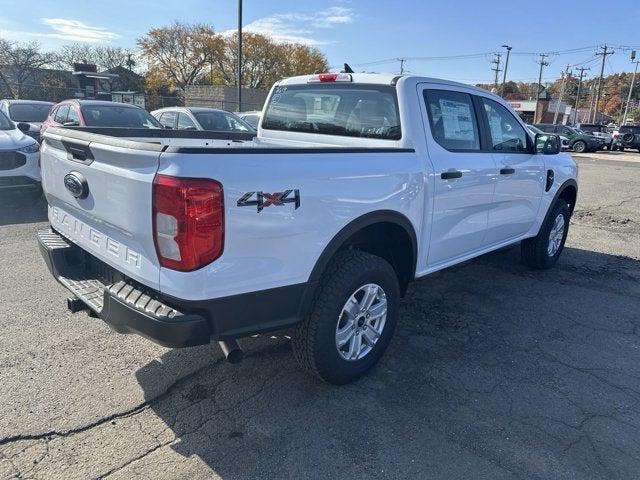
(18, 208)
(495, 371)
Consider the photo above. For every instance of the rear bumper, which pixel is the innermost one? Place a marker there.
(123, 305)
(129, 307)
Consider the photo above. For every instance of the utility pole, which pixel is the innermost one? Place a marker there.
(565, 76)
(402, 60)
(592, 97)
(542, 65)
(575, 114)
(239, 55)
(605, 51)
(496, 69)
(633, 79)
(506, 65)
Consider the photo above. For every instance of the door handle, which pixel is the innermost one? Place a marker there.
(507, 171)
(450, 174)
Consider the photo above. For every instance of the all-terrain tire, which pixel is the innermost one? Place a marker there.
(536, 251)
(314, 340)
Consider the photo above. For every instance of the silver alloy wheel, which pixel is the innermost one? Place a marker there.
(361, 322)
(556, 235)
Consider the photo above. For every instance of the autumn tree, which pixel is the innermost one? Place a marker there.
(104, 57)
(19, 63)
(264, 61)
(179, 54)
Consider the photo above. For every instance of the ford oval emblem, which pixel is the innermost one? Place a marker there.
(76, 184)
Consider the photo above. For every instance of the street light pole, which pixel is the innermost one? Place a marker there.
(239, 55)
(506, 65)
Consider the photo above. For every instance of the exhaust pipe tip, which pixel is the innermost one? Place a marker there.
(231, 350)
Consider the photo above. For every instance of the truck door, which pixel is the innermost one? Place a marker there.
(521, 175)
(464, 174)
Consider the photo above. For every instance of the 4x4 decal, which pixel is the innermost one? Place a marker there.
(263, 199)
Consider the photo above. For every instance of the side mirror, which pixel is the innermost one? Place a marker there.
(547, 144)
(23, 127)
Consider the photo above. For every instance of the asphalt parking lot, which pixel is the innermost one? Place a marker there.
(495, 372)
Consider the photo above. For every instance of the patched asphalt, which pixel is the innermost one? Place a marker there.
(496, 371)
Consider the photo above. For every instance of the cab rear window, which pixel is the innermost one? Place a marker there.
(366, 111)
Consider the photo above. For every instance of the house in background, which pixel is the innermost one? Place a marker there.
(91, 84)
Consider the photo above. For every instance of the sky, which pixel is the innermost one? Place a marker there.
(368, 34)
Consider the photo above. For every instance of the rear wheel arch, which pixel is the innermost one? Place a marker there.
(385, 233)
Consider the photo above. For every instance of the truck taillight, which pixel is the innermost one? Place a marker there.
(188, 221)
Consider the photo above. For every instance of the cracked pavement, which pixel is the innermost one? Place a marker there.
(495, 371)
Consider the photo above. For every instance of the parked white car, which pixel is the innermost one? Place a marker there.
(31, 112)
(356, 185)
(19, 156)
(252, 117)
(201, 118)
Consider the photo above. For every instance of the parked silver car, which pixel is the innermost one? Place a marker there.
(201, 118)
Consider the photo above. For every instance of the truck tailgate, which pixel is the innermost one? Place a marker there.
(99, 192)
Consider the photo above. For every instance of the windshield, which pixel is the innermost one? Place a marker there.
(222, 122)
(5, 123)
(117, 116)
(29, 112)
(577, 131)
(368, 111)
(630, 129)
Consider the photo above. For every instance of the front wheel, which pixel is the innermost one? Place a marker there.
(352, 319)
(579, 146)
(543, 250)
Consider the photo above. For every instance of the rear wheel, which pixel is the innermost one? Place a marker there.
(579, 146)
(543, 250)
(352, 319)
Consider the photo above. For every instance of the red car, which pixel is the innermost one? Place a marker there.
(97, 113)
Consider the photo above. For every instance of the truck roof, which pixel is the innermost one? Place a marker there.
(381, 79)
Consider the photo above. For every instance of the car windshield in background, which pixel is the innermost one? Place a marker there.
(29, 112)
(368, 111)
(117, 116)
(5, 123)
(593, 128)
(222, 122)
(630, 129)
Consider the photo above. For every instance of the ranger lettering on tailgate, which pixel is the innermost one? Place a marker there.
(82, 233)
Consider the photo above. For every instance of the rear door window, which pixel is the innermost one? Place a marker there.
(61, 114)
(73, 116)
(168, 119)
(185, 122)
(453, 120)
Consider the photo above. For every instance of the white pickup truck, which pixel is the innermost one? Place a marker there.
(355, 185)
